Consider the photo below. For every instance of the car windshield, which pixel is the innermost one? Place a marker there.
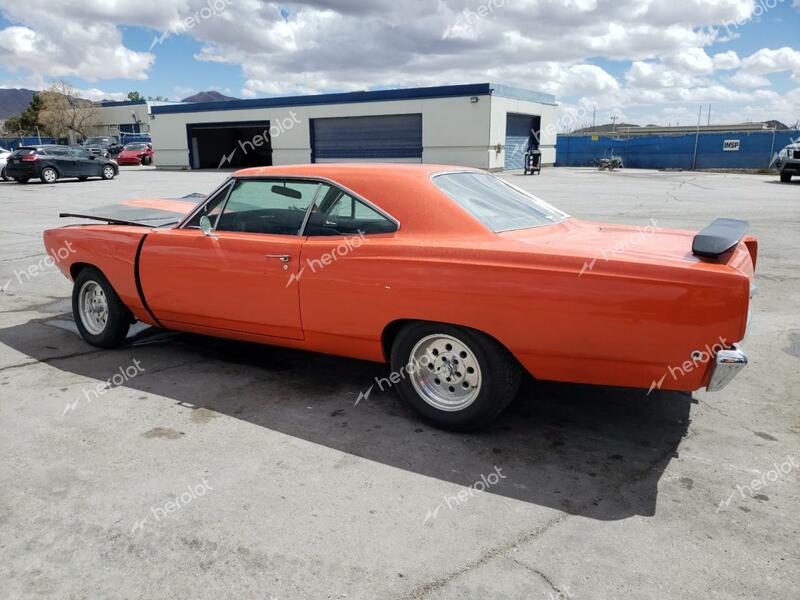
(497, 204)
(135, 146)
(97, 140)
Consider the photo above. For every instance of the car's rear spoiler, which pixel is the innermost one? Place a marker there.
(719, 237)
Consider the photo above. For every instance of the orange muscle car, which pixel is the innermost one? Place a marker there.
(455, 277)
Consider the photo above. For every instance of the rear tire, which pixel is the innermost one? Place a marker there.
(49, 175)
(21, 179)
(456, 378)
(82, 178)
(102, 319)
(786, 177)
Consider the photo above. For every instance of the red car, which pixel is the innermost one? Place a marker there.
(458, 279)
(136, 153)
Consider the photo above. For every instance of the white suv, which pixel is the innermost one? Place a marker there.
(788, 161)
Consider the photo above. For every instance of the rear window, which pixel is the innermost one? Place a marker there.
(135, 147)
(24, 152)
(500, 206)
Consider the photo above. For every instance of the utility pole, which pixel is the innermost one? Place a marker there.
(697, 137)
(594, 110)
(614, 123)
(709, 114)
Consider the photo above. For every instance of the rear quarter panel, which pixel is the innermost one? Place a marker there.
(623, 323)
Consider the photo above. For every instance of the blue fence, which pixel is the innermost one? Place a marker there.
(746, 150)
(12, 143)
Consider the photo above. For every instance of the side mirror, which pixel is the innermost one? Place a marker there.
(205, 226)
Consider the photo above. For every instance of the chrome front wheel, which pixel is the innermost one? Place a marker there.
(93, 307)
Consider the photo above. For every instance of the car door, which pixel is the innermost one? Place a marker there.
(239, 277)
(84, 165)
(63, 161)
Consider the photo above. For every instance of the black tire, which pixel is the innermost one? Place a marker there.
(3, 175)
(82, 178)
(108, 172)
(49, 175)
(21, 179)
(499, 372)
(118, 317)
(786, 177)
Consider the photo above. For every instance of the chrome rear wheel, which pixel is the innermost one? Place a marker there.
(445, 372)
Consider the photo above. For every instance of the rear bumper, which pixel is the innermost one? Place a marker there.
(727, 365)
(18, 170)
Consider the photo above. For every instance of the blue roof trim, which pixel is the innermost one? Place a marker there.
(444, 91)
(122, 102)
(516, 93)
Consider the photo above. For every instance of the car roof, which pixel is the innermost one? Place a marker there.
(403, 190)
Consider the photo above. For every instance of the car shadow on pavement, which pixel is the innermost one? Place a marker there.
(586, 450)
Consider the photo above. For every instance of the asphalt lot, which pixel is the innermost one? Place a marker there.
(227, 470)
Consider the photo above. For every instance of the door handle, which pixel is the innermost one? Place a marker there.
(281, 257)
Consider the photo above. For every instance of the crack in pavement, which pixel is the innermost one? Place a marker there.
(559, 593)
(51, 359)
(425, 589)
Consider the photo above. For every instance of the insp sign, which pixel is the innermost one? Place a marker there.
(731, 145)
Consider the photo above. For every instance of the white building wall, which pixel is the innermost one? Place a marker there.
(454, 130)
(109, 118)
(501, 106)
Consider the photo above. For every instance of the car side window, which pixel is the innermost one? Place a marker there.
(212, 209)
(58, 152)
(267, 206)
(339, 213)
(77, 153)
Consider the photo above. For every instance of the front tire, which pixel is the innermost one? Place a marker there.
(108, 172)
(102, 319)
(456, 378)
(786, 177)
(21, 179)
(49, 175)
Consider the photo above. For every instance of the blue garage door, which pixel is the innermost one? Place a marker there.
(518, 139)
(385, 137)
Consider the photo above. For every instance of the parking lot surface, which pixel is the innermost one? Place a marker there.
(215, 469)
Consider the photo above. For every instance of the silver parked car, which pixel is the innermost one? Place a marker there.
(788, 161)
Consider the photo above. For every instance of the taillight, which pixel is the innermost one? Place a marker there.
(30, 157)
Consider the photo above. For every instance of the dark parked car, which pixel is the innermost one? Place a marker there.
(49, 163)
(103, 145)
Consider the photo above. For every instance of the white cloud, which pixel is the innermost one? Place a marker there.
(748, 80)
(767, 60)
(727, 60)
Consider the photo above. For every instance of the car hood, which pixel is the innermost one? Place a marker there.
(151, 212)
(648, 242)
(132, 152)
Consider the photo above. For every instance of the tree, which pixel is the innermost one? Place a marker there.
(134, 96)
(29, 120)
(158, 98)
(63, 112)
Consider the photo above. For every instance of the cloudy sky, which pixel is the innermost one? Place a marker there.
(646, 61)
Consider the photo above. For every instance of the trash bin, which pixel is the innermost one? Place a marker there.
(532, 162)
